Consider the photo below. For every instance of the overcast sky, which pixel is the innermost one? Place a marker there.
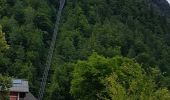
(168, 1)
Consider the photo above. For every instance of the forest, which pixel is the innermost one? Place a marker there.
(105, 49)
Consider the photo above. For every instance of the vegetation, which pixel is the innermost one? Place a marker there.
(5, 84)
(130, 28)
(115, 78)
(27, 25)
(131, 36)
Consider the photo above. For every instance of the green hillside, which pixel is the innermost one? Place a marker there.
(105, 49)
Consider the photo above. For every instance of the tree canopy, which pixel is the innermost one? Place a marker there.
(116, 78)
(117, 30)
(3, 43)
(5, 84)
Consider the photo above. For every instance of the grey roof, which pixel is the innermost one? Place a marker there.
(19, 85)
(29, 96)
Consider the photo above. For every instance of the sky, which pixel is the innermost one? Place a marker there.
(168, 1)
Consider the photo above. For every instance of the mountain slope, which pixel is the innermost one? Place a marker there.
(128, 31)
(138, 29)
(28, 26)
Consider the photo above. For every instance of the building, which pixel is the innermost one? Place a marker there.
(20, 90)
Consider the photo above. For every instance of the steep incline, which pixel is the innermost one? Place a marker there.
(129, 28)
(50, 53)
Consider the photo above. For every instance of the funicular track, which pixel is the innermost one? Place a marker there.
(50, 52)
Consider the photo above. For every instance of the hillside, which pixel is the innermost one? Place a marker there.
(130, 28)
(100, 44)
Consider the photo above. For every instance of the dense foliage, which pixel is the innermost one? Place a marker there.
(116, 78)
(134, 29)
(5, 84)
(28, 26)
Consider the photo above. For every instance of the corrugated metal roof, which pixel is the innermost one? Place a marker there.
(19, 85)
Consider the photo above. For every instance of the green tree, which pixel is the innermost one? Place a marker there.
(67, 49)
(3, 7)
(116, 78)
(3, 47)
(5, 84)
(3, 43)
